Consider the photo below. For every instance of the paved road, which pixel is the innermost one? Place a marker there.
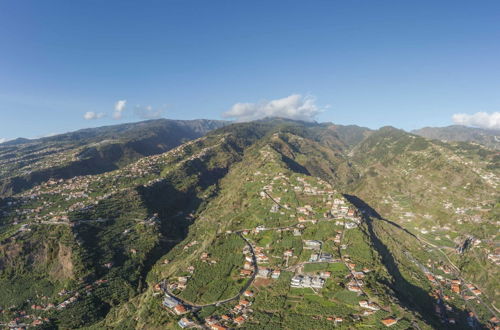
(68, 223)
(346, 264)
(223, 301)
(458, 275)
(457, 270)
(424, 241)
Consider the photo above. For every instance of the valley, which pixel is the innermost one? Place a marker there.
(260, 225)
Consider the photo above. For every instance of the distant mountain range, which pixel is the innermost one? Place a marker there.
(24, 162)
(488, 138)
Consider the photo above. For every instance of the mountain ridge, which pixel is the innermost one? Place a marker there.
(91, 151)
(488, 137)
(175, 223)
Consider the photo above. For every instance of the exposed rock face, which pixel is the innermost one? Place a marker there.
(63, 267)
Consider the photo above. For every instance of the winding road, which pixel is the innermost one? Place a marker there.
(196, 307)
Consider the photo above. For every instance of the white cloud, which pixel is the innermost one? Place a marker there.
(294, 106)
(479, 119)
(148, 112)
(90, 115)
(2, 140)
(119, 107)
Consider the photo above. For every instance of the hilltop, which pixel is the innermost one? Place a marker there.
(486, 137)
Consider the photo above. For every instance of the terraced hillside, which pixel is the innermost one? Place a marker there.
(268, 224)
(25, 163)
(445, 194)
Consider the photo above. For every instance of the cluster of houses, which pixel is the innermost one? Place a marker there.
(356, 283)
(335, 319)
(237, 316)
(323, 257)
(260, 256)
(308, 189)
(88, 289)
(318, 256)
(248, 265)
(356, 278)
(344, 214)
(340, 210)
(467, 290)
(174, 305)
(180, 284)
(309, 281)
(371, 306)
(82, 189)
(205, 257)
(262, 271)
(24, 321)
(45, 157)
(306, 210)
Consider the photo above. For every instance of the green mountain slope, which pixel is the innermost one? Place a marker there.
(211, 256)
(268, 224)
(446, 195)
(26, 163)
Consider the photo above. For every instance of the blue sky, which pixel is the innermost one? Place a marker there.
(373, 63)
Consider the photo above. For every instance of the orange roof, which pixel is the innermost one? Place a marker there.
(388, 322)
(180, 309)
(217, 327)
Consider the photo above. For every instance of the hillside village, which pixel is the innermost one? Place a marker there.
(54, 201)
(36, 158)
(264, 265)
(303, 235)
(258, 267)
